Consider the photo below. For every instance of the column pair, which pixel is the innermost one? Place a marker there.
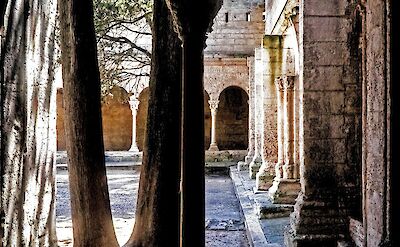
(286, 186)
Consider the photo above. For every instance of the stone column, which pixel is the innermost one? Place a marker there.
(134, 104)
(256, 162)
(288, 123)
(279, 83)
(250, 154)
(244, 165)
(285, 188)
(213, 107)
(272, 62)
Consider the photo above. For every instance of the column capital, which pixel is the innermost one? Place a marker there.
(213, 104)
(284, 83)
(134, 104)
(288, 82)
(279, 83)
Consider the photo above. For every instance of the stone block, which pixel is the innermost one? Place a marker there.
(321, 28)
(323, 78)
(325, 8)
(325, 53)
(322, 102)
(284, 191)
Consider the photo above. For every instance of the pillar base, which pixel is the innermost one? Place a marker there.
(134, 149)
(213, 147)
(265, 176)
(248, 159)
(254, 167)
(242, 166)
(293, 240)
(315, 223)
(284, 191)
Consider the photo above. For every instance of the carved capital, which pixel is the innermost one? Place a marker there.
(279, 83)
(213, 104)
(288, 83)
(134, 104)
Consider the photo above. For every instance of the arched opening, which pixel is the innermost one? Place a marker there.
(207, 121)
(233, 119)
(141, 118)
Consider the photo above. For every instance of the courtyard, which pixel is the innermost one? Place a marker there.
(225, 219)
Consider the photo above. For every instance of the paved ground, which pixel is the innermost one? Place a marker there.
(224, 220)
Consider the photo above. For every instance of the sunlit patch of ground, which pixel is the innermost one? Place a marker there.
(224, 220)
(122, 184)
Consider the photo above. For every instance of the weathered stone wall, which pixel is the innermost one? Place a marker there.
(376, 126)
(220, 73)
(117, 122)
(238, 28)
(329, 125)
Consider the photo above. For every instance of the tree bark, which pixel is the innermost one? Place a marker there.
(28, 123)
(158, 205)
(90, 204)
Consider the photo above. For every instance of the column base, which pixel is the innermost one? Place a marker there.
(248, 158)
(293, 240)
(242, 166)
(265, 176)
(254, 167)
(315, 223)
(284, 191)
(134, 149)
(213, 147)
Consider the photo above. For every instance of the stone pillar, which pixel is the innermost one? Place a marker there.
(256, 162)
(134, 104)
(244, 165)
(285, 188)
(272, 62)
(279, 83)
(213, 107)
(288, 123)
(251, 147)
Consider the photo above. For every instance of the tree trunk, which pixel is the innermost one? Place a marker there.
(90, 204)
(157, 214)
(28, 123)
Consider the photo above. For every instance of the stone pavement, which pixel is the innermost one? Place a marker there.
(224, 220)
(236, 215)
(265, 222)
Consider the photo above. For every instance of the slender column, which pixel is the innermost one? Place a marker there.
(285, 188)
(279, 83)
(213, 107)
(250, 154)
(288, 168)
(255, 163)
(272, 62)
(134, 104)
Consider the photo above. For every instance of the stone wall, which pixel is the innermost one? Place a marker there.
(329, 123)
(238, 28)
(117, 122)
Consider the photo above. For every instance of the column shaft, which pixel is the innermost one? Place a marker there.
(213, 107)
(134, 104)
(288, 168)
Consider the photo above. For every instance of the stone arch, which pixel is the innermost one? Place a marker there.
(233, 119)
(141, 117)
